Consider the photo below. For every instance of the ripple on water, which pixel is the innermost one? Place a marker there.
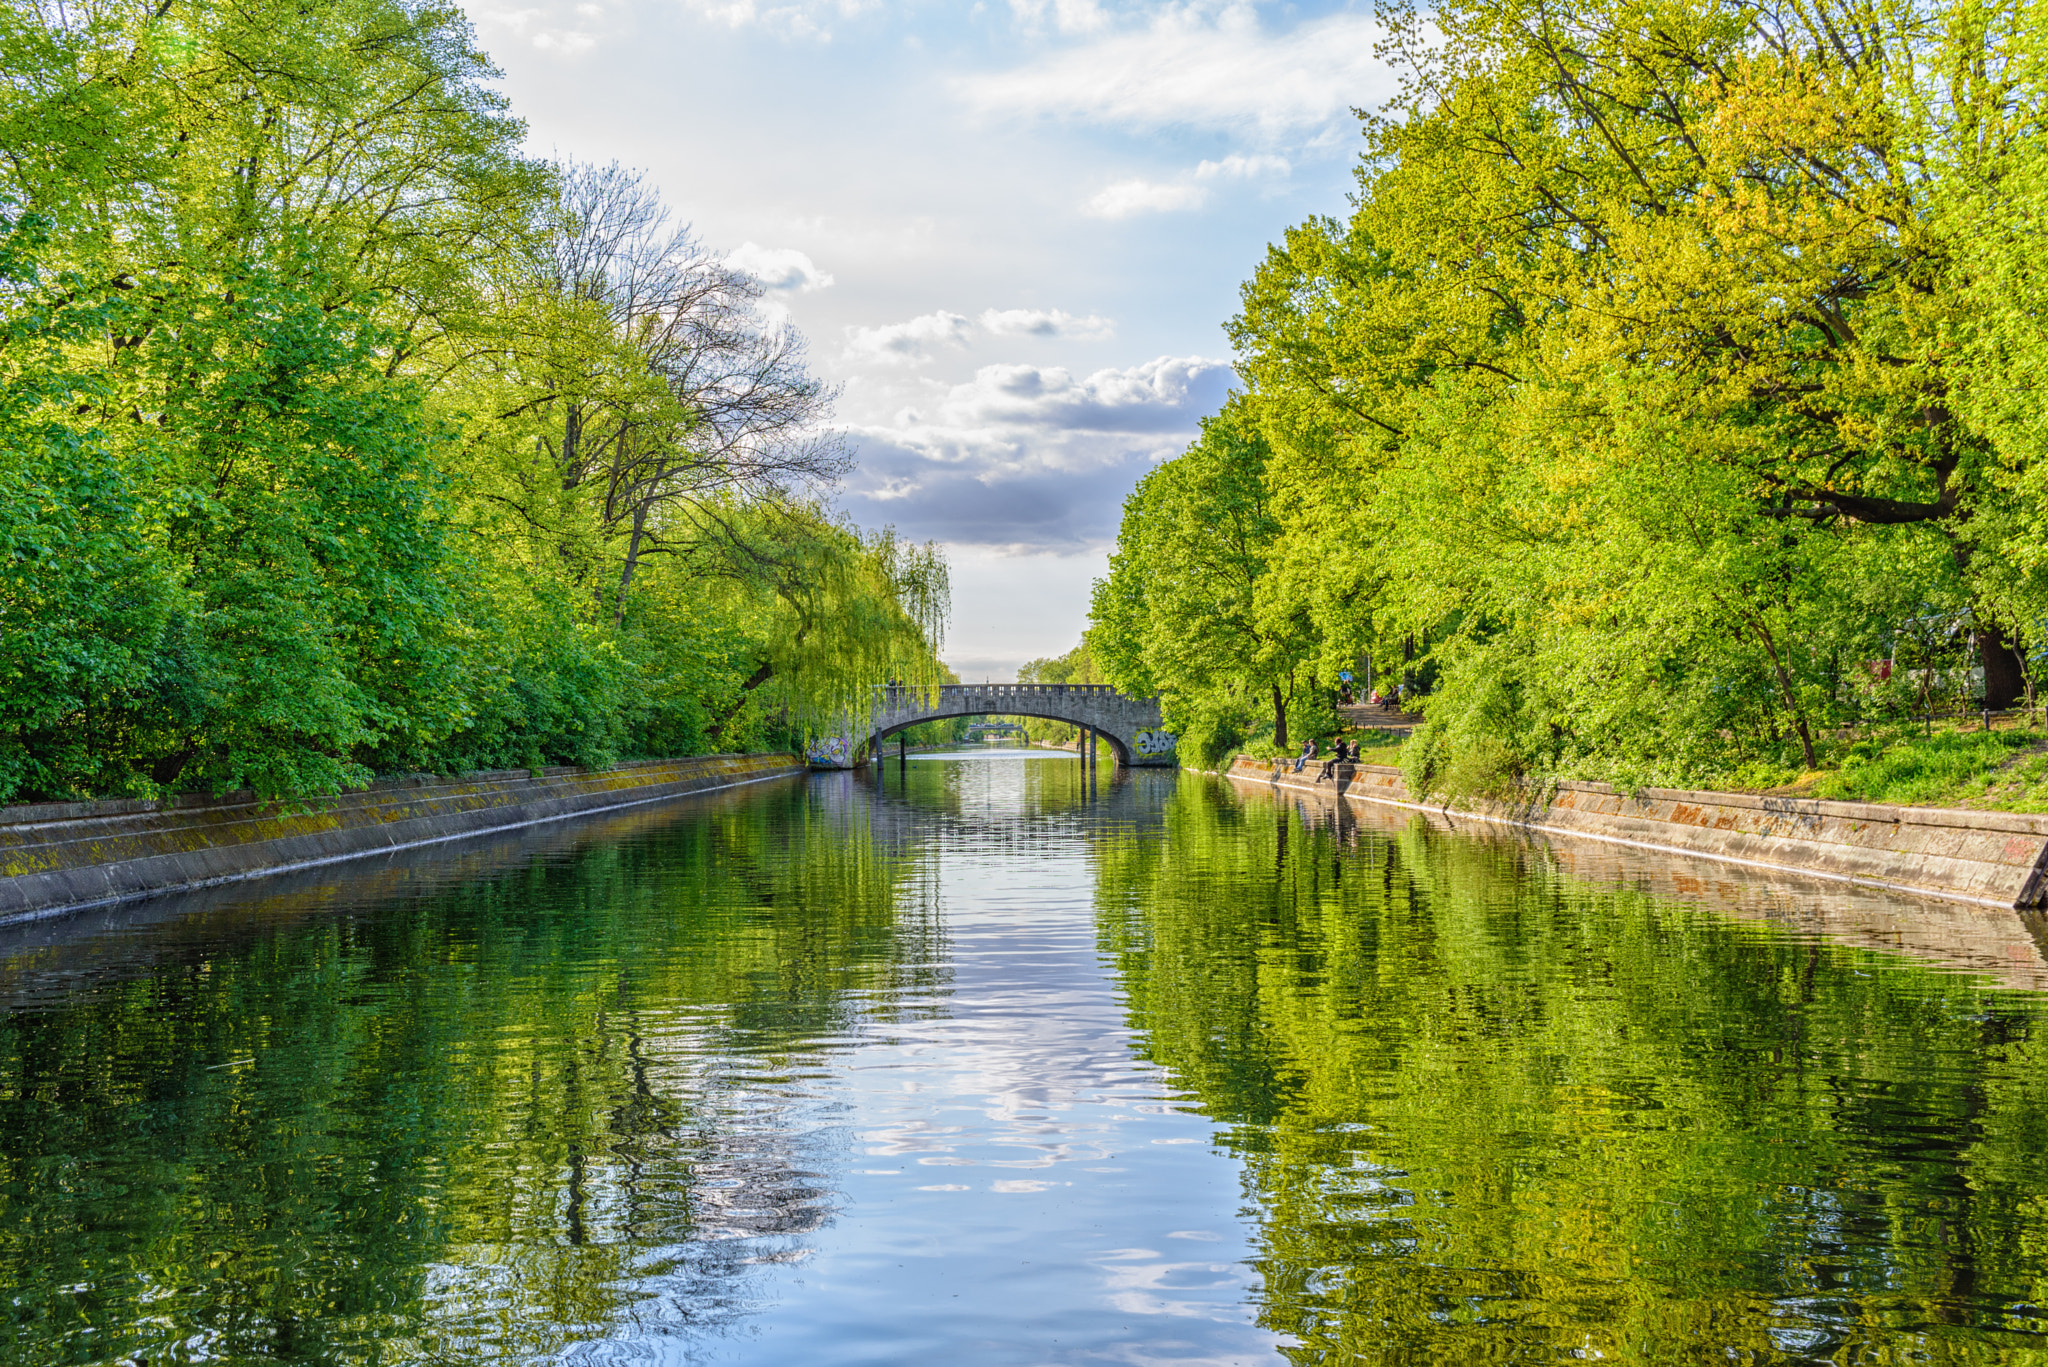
(984, 1061)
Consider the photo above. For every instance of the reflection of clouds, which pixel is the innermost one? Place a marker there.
(1023, 1071)
(1139, 1282)
(910, 1136)
(1180, 1353)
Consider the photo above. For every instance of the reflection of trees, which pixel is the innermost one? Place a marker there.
(556, 1100)
(1011, 802)
(1490, 1114)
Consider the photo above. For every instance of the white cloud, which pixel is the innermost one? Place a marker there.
(1029, 456)
(804, 19)
(565, 33)
(1152, 397)
(1127, 197)
(1242, 167)
(779, 268)
(917, 340)
(1068, 16)
(1210, 73)
(1046, 323)
(565, 41)
(908, 343)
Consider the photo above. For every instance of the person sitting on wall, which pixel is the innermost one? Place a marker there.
(1329, 769)
(1308, 752)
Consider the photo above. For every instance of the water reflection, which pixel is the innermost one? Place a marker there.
(535, 1101)
(1491, 1108)
(996, 1060)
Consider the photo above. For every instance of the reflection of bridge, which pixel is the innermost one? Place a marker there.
(1130, 725)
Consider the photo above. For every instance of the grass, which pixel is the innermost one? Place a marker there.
(2005, 770)
(1959, 765)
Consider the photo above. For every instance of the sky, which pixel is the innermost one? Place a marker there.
(1012, 231)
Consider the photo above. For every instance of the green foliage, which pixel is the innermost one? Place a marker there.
(1667, 376)
(1191, 608)
(86, 611)
(303, 516)
(1077, 666)
(343, 439)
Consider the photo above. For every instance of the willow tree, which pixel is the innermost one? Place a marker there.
(832, 613)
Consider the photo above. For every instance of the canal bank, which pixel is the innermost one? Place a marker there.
(59, 858)
(1990, 858)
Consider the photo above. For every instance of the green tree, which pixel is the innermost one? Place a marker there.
(1188, 609)
(1630, 387)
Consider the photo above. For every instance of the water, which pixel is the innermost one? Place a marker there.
(976, 1061)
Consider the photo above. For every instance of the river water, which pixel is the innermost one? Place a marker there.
(981, 1060)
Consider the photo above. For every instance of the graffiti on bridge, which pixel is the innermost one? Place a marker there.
(834, 750)
(1153, 742)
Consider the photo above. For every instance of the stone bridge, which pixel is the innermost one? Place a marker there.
(1130, 725)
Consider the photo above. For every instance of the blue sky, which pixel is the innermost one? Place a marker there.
(1012, 231)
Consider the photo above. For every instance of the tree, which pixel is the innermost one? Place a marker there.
(1186, 609)
(348, 435)
(1630, 383)
(649, 383)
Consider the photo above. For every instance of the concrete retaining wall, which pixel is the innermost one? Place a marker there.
(1992, 858)
(57, 858)
(2004, 946)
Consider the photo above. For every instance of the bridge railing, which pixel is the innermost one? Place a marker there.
(895, 691)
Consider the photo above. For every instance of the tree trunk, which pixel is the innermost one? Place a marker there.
(2005, 676)
(754, 681)
(1279, 718)
(632, 560)
(1790, 692)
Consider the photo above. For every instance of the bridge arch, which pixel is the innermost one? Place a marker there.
(1130, 725)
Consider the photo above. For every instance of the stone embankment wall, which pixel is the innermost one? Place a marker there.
(57, 858)
(1992, 858)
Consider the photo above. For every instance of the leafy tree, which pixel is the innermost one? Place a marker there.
(86, 601)
(1632, 387)
(1187, 609)
(352, 441)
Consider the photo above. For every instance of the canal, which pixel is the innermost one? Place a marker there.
(978, 1060)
